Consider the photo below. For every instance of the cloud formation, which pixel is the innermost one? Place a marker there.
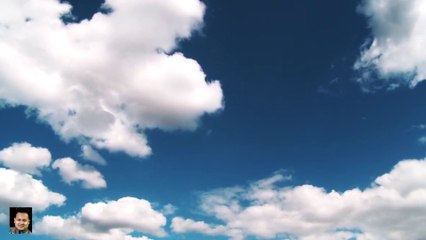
(71, 171)
(20, 189)
(395, 55)
(393, 208)
(107, 79)
(114, 220)
(23, 157)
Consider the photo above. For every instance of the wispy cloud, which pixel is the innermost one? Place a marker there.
(422, 140)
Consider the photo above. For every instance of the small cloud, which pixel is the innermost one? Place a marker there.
(332, 87)
(71, 171)
(168, 209)
(180, 225)
(92, 155)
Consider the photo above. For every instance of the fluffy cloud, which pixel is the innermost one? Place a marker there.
(107, 79)
(90, 154)
(395, 53)
(25, 158)
(72, 171)
(20, 189)
(114, 220)
(393, 207)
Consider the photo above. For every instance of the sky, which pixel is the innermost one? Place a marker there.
(201, 119)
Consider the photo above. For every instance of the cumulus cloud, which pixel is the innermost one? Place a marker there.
(72, 171)
(393, 207)
(25, 158)
(92, 155)
(20, 189)
(395, 52)
(114, 220)
(107, 79)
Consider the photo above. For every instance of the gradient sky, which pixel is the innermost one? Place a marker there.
(319, 101)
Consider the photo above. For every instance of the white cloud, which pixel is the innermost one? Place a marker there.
(92, 155)
(72, 171)
(25, 158)
(114, 220)
(105, 80)
(20, 189)
(393, 208)
(396, 51)
(181, 225)
(405, 178)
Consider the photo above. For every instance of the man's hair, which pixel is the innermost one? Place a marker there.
(15, 210)
(22, 211)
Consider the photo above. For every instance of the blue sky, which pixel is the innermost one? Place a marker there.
(214, 120)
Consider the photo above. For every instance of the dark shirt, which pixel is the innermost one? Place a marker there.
(14, 230)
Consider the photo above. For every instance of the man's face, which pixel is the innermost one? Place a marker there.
(21, 221)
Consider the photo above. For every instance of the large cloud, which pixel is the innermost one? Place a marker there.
(19, 189)
(72, 171)
(114, 220)
(393, 208)
(106, 79)
(25, 158)
(396, 52)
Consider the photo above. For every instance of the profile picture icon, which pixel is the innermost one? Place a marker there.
(20, 220)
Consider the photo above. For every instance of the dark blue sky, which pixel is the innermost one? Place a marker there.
(272, 60)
